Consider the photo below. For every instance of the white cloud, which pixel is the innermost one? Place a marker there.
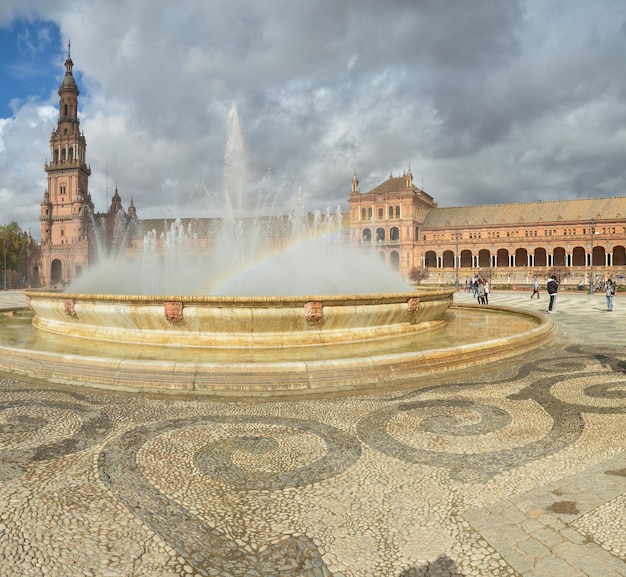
(507, 101)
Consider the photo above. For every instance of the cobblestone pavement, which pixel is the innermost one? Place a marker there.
(513, 470)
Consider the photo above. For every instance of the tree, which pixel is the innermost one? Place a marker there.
(14, 246)
(418, 274)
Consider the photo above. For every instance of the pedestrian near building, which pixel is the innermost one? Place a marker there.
(552, 286)
(535, 288)
(610, 291)
(480, 291)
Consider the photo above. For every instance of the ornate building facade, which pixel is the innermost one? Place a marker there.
(508, 243)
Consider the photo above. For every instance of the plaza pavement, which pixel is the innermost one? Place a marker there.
(518, 469)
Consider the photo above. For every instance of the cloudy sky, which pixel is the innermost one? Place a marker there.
(487, 101)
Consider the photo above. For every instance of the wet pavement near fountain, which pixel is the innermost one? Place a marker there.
(512, 470)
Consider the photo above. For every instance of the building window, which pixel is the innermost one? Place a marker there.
(398, 211)
(369, 212)
(380, 214)
(363, 214)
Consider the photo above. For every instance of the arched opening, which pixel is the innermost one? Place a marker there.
(484, 258)
(394, 260)
(380, 234)
(579, 256)
(619, 256)
(502, 257)
(521, 257)
(448, 259)
(430, 259)
(558, 256)
(394, 233)
(598, 256)
(466, 259)
(367, 235)
(56, 272)
(541, 257)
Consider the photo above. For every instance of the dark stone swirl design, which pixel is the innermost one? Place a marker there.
(567, 418)
(559, 366)
(342, 451)
(209, 550)
(22, 424)
(94, 426)
(491, 419)
(463, 467)
(612, 390)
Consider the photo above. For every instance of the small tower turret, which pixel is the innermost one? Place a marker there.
(355, 184)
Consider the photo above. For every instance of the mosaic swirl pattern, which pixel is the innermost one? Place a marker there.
(562, 397)
(195, 538)
(40, 430)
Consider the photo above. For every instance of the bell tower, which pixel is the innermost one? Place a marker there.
(66, 202)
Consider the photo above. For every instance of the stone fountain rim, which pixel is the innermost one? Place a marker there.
(394, 297)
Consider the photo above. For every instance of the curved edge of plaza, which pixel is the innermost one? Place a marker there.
(298, 378)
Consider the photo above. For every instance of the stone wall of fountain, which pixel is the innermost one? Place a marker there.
(236, 322)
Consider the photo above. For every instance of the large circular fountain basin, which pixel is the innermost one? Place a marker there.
(234, 322)
(464, 337)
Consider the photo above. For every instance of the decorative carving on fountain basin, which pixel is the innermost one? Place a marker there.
(413, 304)
(174, 311)
(313, 311)
(68, 305)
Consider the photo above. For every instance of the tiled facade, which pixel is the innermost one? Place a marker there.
(509, 243)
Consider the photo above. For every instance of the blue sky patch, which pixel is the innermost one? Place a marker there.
(29, 63)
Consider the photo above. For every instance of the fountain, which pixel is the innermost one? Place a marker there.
(299, 314)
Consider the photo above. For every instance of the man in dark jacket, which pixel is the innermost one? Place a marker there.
(552, 286)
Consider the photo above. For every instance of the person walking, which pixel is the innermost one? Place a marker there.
(610, 291)
(486, 284)
(535, 287)
(481, 292)
(552, 286)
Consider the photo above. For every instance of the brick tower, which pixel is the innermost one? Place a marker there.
(64, 250)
